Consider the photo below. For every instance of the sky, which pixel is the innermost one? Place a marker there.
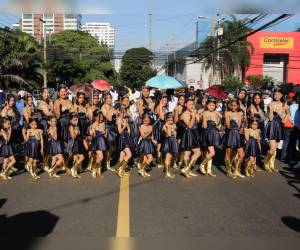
(173, 22)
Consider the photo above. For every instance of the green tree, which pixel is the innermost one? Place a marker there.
(136, 67)
(233, 82)
(234, 58)
(21, 64)
(258, 81)
(76, 56)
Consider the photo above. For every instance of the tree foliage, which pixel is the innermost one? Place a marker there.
(75, 56)
(234, 58)
(136, 67)
(21, 63)
(258, 81)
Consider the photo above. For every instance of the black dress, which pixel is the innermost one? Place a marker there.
(99, 143)
(6, 149)
(157, 130)
(75, 146)
(146, 146)
(210, 135)
(190, 137)
(232, 137)
(124, 141)
(275, 129)
(84, 123)
(251, 147)
(169, 145)
(63, 125)
(33, 148)
(54, 146)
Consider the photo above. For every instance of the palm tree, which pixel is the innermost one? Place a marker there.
(20, 60)
(234, 59)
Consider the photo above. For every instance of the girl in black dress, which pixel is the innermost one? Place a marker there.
(124, 142)
(109, 113)
(178, 158)
(169, 145)
(6, 150)
(45, 106)
(99, 144)
(210, 135)
(278, 111)
(146, 146)
(75, 145)
(34, 148)
(252, 147)
(234, 121)
(80, 106)
(160, 110)
(55, 149)
(190, 142)
(62, 109)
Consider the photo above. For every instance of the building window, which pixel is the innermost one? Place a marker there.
(27, 16)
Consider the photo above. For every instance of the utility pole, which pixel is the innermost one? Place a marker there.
(150, 31)
(212, 33)
(45, 51)
(219, 34)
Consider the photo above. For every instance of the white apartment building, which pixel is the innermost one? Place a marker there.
(103, 32)
(32, 24)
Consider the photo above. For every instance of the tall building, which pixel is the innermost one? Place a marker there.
(103, 32)
(32, 24)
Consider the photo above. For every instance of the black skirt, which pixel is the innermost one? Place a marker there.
(210, 136)
(169, 145)
(54, 147)
(99, 143)
(63, 127)
(83, 123)
(33, 148)
(111, 132)
(190, 139)
(124, 141)
(146, 147)
(275, 129)
(75, 146)
(252, 148)
(6, 151)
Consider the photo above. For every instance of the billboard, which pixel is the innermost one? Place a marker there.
(269, 42)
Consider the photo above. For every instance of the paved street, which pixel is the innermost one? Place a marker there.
(87, 210)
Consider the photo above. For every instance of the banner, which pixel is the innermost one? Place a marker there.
(276, 42)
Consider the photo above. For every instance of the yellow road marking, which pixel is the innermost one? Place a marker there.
(123, 223)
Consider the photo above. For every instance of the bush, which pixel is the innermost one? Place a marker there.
(233, 82)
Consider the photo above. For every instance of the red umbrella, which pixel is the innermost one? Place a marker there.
(216, 91)
(84, 87)
(101, 85)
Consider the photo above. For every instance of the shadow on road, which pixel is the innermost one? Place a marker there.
(292, 222)
(293, 178)
(20, 231)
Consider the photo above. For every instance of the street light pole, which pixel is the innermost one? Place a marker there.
(197, 30)
(45, 52)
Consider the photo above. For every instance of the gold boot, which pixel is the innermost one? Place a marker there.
(237, 169)
(98, 168)
(267, 162)
(248, 167)
(186, 171)
(74, 170)
(203, 166)
(91, 163)
(121, 169)
(159, 160)
(174, 162)
(5, 174)
(209, 167)
(140, 162)
(228, 169)
(272, 163)
(46, 159)
(107, 161)
(168, 173)
(53, 171)
(32, 171)
(142, 171)
(252, 170)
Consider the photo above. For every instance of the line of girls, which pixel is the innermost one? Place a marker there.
(66, 134)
